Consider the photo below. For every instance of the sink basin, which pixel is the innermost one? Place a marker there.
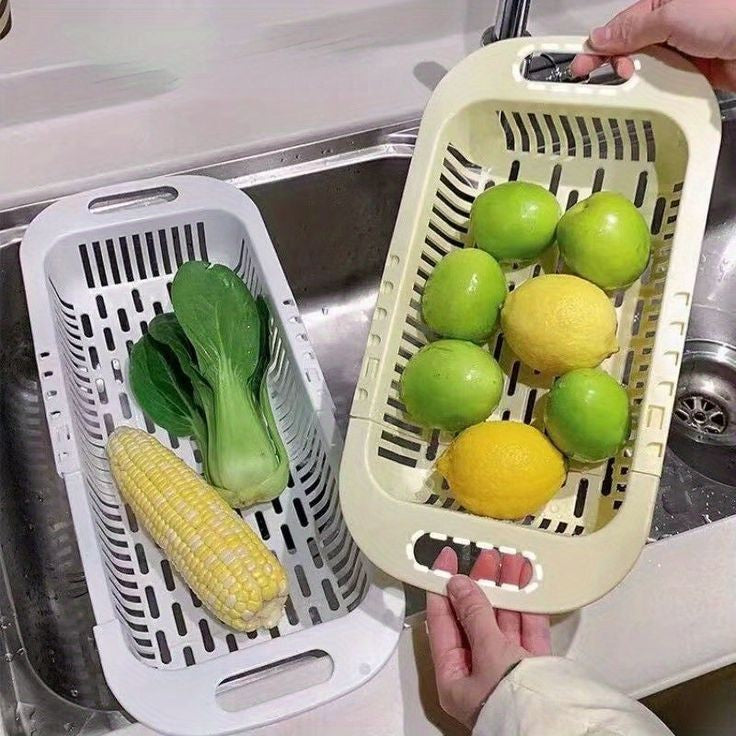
(699, 478)
(330, 208)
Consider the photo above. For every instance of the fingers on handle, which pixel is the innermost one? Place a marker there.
(487, 566)
(633, 29)
(473, 611)
(446, 560)
(585, 64)
(512, 569)
(535, 630)
(438, 604)
(468, 607)
(623, 66)
(445, 637)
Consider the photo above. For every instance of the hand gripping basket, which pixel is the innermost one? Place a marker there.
(97, 267)
(654, 138)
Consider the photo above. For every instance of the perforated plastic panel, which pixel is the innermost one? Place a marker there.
(98, 287)
(577, 509)
(124, 287)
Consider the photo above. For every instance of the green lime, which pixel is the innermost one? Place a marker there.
(515, 221)
(451, 384)
(463, 295)
(605, 239)
(587, 415)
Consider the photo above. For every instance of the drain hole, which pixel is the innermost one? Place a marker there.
(701, 413)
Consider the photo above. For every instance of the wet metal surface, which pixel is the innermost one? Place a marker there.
(332, 231)
(688, 499)
(50, 677)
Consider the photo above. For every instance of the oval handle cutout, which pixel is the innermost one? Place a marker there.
(497, 566)
(131, 200)
(555, 67)
(274, 680)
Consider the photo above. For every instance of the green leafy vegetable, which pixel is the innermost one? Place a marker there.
(164, 391)
(166, 330)
(201, 372)
(229, 333)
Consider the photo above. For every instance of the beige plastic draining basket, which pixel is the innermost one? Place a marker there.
(655, 139)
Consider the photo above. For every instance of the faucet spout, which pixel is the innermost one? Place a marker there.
(511, 20)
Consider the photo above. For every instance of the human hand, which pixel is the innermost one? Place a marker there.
(473, 646)
(702, 30)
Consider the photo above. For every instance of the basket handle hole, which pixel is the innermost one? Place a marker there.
(510, 569)
(132, 200)
(274, 680)
(555, 68)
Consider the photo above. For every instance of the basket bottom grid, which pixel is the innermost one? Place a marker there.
(572, 158)
(166, 624)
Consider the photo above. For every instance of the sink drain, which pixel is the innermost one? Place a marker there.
(705, 406)
(704, 419)
(701, 413)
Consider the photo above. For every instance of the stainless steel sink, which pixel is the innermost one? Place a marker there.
(330, 208)
(699, 479)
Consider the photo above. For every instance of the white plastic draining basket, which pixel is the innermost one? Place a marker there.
(654, 138)
(97, 268)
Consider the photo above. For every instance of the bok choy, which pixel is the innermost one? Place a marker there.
(201, 372)
(165, 392)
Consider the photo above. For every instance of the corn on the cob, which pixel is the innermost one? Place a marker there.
(221, 558)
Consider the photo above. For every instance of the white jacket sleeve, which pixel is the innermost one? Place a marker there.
(551, 696)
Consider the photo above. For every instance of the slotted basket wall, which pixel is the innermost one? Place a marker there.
(97, 268)
(655, 139)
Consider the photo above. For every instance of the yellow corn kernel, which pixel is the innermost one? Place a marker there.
(219, 556)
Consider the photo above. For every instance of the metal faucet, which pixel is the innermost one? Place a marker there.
(511, 19)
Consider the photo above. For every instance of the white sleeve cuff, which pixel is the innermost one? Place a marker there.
(550, 695)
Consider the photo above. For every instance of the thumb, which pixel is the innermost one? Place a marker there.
(633, 29)
(474, 612)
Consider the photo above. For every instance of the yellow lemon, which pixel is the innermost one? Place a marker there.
(502, 469)
(557, 323)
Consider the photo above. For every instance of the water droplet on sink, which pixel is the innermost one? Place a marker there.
(325, 311)
(10, 656)
(677, 501)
